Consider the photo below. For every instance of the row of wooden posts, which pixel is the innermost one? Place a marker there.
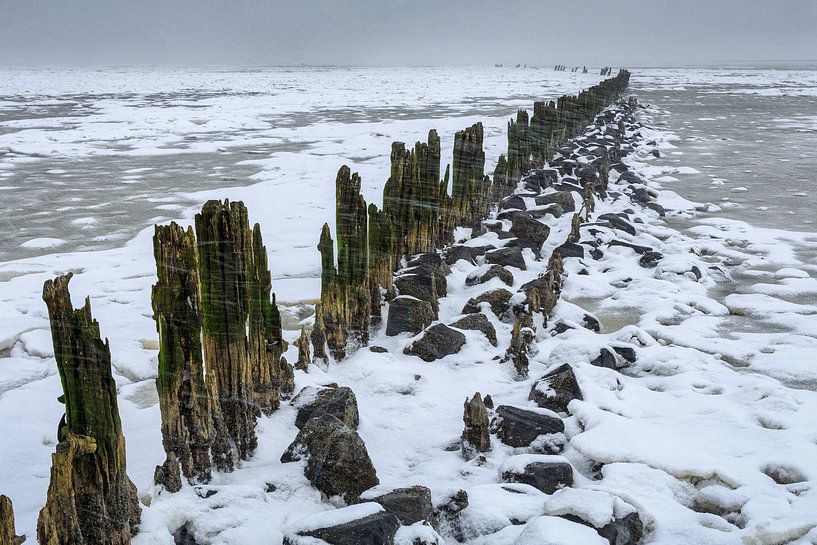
(221, 347)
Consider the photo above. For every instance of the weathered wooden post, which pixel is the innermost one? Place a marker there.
(90, 498)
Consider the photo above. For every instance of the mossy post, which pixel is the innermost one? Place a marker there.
(90, 498)
(381, 259)
(7, 535)
(225, 255)
(345, 289)
(476, 436)
(192, 425)
(266, 342)
(470, 187)
(413, 198)
(519, 148)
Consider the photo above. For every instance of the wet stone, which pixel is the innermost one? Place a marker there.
(556, 389)
(437, 342)
(408, 314)
(477, 322)
(507, 257)
(519, 427)
(547, 477)
(484, 274)
(498, 299)
(339, 402)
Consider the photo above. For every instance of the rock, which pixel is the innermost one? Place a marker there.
(606, 358)
(408, 314)
(547, 476)
(477, 321)
(650, 259)
(626, 352)
(475, 436)
(431, 262)
(556, 389)
(437, 342)
(314, 401)
(617, 222)
(591, 322)
(509, 215)
(530, 232)
(498, 299)
(640, 194)
(657, 207)
(338, 463)
(486, 273)
(635, 247)
(377, 528)
(518, 427)
(448, 513)
(514, 201)
(468, 253)
(616, 520)
(421, 285)
(563, 198)
(378, 349)
(409, 505)
(627, 530)
(507, 257)
(570, 249)
(553, 209)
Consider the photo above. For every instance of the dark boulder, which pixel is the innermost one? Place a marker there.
(468, 253)
(553, 209)
(626, 530)
(314, 401)
(635, 247)
(591, 322)
(514, 201)
(626, 352)
(337, 462)
(650, 259)
(518, 427)
(477, 322)
(374, 529)
(409, 505)
(408, 314)
(498, 299)
(421, 285)
(556, 389)
(547, 476)
(507, 257)
(484, 274)
(438, 341)
(606, 358)
(530, 232)
(657, 208)
(618, 223)
(506, 215)
(569, 249)
(434, 264)
(563, 198)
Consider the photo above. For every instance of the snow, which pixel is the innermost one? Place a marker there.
(557, 531)
(709, 434)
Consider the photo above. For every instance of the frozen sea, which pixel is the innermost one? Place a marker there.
(696, 435)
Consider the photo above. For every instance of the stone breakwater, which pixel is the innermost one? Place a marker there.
(221, 361)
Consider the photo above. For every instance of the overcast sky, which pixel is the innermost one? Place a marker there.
(544, 32)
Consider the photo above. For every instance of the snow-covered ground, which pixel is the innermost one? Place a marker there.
(709, 434)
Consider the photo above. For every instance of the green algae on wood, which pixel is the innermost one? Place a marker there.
(90, 498)
(192, 425)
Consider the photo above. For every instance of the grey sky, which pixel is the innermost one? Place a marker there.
(593, 32)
